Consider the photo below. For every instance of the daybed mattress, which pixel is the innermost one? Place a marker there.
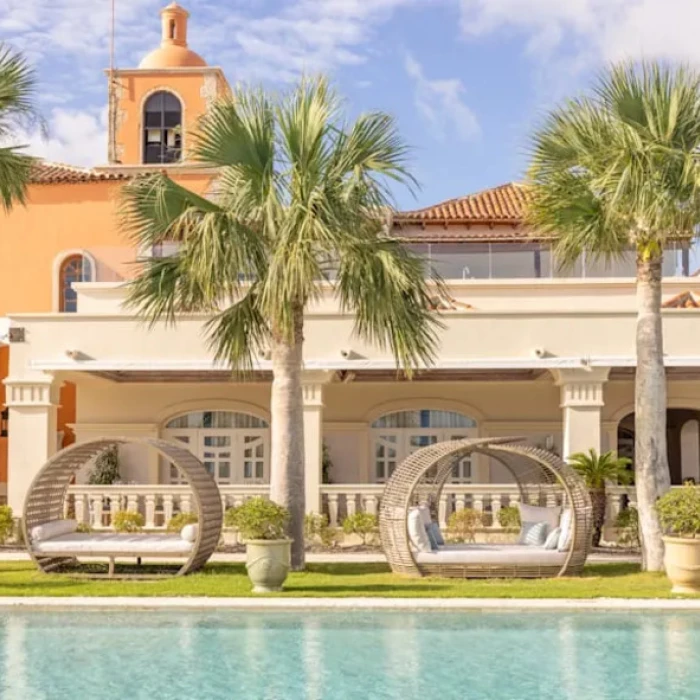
(516, 554)
(108, 543)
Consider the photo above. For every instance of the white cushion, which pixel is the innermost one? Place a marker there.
(114, 543)
(189, 532)
(533, 534)
(425, 514)
(492, 554)
(552, 541)
(54, 528)
(537, 514)
(416, 531)
(565, 534)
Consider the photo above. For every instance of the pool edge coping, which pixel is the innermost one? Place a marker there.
(404, 604)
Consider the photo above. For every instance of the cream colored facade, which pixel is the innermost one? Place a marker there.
(550, 360)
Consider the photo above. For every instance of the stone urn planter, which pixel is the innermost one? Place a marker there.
(682, 563)
(679, 515)
(262, 527)
(267, 563)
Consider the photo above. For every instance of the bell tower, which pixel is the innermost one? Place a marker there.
(154, 107)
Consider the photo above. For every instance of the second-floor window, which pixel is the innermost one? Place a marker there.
(162, 119)
(75, 268)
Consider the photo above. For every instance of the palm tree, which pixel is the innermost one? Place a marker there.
(597, 470)
(613, 171)
(17, 85)
(300, 206)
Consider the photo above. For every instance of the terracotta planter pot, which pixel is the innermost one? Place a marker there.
(682, 562)
(268, 563)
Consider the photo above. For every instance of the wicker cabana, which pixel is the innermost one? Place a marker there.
(541, 477)
(46, 497)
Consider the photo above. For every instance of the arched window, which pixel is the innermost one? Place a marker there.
(397, 435)
(162, 120)
(234, 447)
(75, 268)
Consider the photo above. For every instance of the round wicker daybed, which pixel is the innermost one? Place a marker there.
(421, 478)
(44, 506)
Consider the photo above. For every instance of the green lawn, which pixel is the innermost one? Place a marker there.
(342, 580)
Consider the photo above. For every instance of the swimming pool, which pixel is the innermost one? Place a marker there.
(49, 655)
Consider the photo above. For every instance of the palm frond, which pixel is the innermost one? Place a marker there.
(384, 284)
(17, 111)
(619, 168)
(239, 333)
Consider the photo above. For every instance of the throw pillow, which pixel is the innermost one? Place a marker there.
(538, 514)
(533, 534)
(436, 533)
(565, 534)
(552, 541)
(416, 531)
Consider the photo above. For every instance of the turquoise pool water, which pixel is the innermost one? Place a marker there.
(339, 656)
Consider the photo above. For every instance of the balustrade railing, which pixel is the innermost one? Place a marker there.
(158, 503)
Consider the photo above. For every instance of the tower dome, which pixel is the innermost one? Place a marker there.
(173, 51)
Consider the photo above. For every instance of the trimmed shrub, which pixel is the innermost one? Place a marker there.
(463, 524)
(361, 524)
(7, 524)
(509, 518)
(627, 524)
(259, 519)
(679, 511)
(177, 522)
(127, 521)
(316, 527)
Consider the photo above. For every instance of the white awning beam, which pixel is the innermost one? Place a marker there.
(92, 365)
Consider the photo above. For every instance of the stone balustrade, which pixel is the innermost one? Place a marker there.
(158, 503)
(96, 505)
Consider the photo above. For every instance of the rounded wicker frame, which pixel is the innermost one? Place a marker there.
(46, 496)
(423, 475)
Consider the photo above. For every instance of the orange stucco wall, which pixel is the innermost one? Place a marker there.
(135, 88)
(60, 218)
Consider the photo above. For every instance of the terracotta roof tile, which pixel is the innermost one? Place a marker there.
(502, 204)
(46, 172)
(685, 300)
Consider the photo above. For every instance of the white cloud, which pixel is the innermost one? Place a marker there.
(441, 102)
(592, 31)
(77, 137)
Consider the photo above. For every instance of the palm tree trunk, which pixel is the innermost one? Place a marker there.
(287, 434)
(650, 459)
(598, 501)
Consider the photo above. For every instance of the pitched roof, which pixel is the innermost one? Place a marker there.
(45, 172)
(685, 300)
(504, 204)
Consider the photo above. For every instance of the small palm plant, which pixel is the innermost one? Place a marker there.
(597, 471)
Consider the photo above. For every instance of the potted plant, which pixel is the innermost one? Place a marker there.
(262, 525)
(679, 515)
(597, 470)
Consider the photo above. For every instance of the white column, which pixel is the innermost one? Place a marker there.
(312, 387)
(33, 407)
(581, 403)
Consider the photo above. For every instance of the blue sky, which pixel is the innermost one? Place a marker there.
(466, 79)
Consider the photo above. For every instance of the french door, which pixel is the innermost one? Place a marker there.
(392, 446)
(231, 456)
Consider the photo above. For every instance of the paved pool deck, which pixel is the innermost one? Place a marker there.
(356, 604)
